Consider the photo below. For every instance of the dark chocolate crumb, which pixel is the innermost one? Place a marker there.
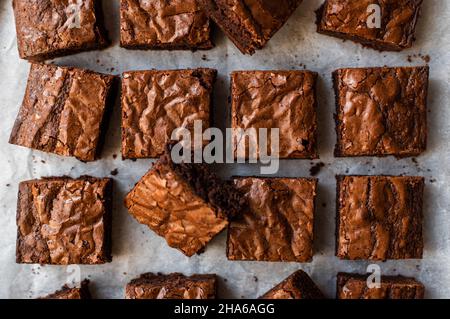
(204, 57)
(114, 172)
(7, 185)
(255, 278)
(414, 160)
(114, 156)
(42, 161)
(315, 169)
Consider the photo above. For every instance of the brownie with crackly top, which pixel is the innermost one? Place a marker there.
(64, 111)
(381, 111)
(47, 29)
(66, 292)
(63, 221)
(379, 217)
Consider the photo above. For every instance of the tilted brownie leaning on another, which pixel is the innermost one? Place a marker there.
(384, 25)
(297, 286)
(354, 286)
(64, 111)
(379, 217)
(250, 24)
(63, 221)
(381, 111)
(162, 24)
(172, 286)
(187, 204)
(47, 29)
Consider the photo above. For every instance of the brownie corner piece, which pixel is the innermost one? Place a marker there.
(369, 209)
(397, 18)
(156, 102)
(283, 99)
(355, 286)
(250, 25)
(276, 225)
(62, 221)
(50, 29)
(66, 292)
(381, 111)
(297, 286)
(64, 111)
(172, 286)
(167, 25)
(186, 204)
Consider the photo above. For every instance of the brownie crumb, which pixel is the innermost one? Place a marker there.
(255, 278)
(7, 185)
(114, 156)
(114, 172)
(414, 160)
(42, 161)
(204, 57)
(316, 168)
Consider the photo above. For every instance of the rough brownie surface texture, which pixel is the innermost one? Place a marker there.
(351, 286)
(354, 20)
(297, 286)
(250, 23)
(278, 223)
(50, 28)
(173, 286)
(64, 221)
(66, 292)
(184, 203)
(379, 217)
(277, 99)
(63, 111)
(162, 24)
(381, 111)
(155, 103)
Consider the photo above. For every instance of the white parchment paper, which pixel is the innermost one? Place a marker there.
(136, 249)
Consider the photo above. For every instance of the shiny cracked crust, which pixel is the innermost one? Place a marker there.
(379, 217)
(347, 19)
(64, 221)
(381, 111)
(162, 24)
(250, 23)
(185, 203)
(66, 292)
(351, 286)
(297, 286)
(63, 111)
(278, 223)
(173, 286)
(278, 99)
(51, 28)
(155, 103)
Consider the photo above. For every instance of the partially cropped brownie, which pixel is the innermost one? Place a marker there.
(187, 204)
(381, 111)
(277, 224)
(172, 286)
(276, 99)
(353, 286)
(64, 111)
(47, 29)
(66, 292)
(155, 103)
(62, 221)
(250, 24)
(385, 25)
(162, 24)
(379, 217)
(297, 286)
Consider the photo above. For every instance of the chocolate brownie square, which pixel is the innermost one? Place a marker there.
(277, 99)
(250, 24)
(379, 217)
(155, 103)
(186, 204)
(381, 111)
(162, 24)
(352, 286)
(172, 286)
(64, 221)
(64, 111)
(47, 29)
(278, 223)
(297, 286)
(66, 292)
(385, 25)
